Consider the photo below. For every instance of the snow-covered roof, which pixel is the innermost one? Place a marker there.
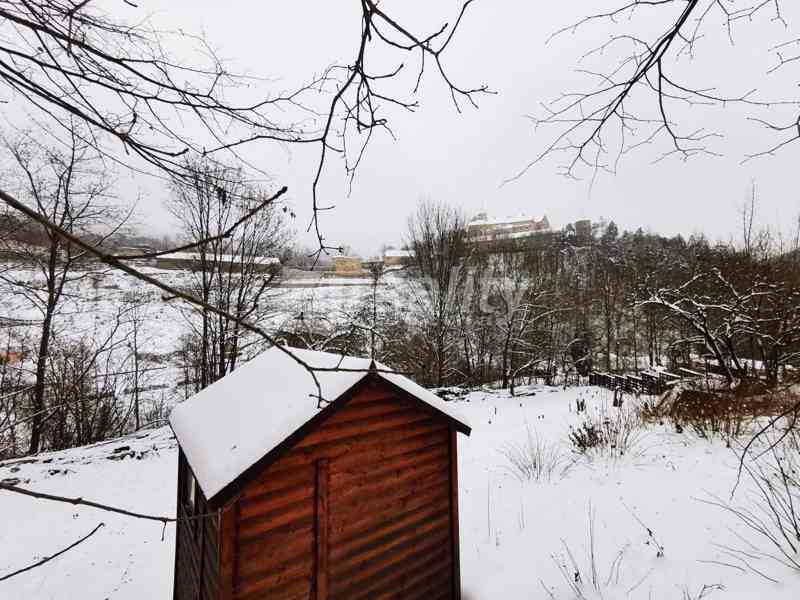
(504, 220)
(233, 423)
(398, 253)
(222, 258)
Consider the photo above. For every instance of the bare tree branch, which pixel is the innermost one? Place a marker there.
(638, 100)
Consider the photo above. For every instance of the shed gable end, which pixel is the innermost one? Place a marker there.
(322, 424)
(360, 505)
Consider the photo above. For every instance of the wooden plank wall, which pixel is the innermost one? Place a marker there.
(384, 525)
(196, 547)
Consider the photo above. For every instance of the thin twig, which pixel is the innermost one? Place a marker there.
(47, 559)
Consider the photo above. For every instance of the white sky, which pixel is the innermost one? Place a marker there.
(463, 158)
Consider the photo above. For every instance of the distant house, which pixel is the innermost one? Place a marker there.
(134, 249)
(12, 356)
(347, 265)
(279, 498)
(397, 257)
(191, 261)
(483, 228)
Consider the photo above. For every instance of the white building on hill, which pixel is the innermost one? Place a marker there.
(397, 257)
(483, 228)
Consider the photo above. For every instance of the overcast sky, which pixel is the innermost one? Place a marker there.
(464, 158)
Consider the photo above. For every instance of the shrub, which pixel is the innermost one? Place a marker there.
(536, 459)
(703, 592)
(718, 412)
(588, 579)
(587, 437)
(585, 580)
(595, 576)
(607, 433)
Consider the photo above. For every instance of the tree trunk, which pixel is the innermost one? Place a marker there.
(38, 390)
(136, 372)
(44, 347)
(506, 345)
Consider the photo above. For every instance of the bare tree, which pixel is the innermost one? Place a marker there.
(136, 302)
(376, 272)
(724, 317)
(82, 382)
(437, 239)
(516, 297)
(234, 272)
(315, 325)
(65, 185)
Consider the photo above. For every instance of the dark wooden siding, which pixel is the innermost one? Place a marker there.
(196, 545)
(373, 484)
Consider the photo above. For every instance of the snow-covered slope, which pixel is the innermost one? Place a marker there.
(126, 559)
(515, 536)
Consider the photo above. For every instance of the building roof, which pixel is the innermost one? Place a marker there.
(229, 429)
(398, 253)
(483, 220)
(222, 258)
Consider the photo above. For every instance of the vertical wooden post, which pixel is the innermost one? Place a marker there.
(228, 549)
(322, 529)
(176, 593)
(201, 522)
(454, 513)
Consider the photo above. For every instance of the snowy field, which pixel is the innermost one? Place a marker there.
(520, 540)
(92, 301)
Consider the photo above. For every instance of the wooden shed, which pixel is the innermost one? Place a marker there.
(354, 500)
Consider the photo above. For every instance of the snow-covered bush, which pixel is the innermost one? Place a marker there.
(608, 433)
(536, 459)
(712, 411)
(451, 393)
(587, 436)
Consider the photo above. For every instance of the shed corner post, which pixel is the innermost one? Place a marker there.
(178, 524)
(454, 513)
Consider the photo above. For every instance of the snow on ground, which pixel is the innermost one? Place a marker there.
(514, 535)
(126, 558)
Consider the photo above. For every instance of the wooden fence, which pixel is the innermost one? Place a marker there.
(644, 382)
